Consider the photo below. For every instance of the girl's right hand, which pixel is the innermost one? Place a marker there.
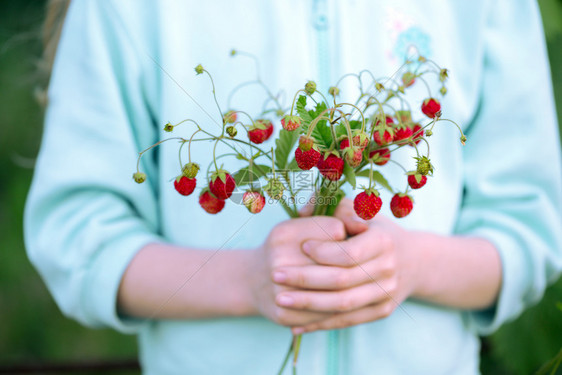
(283, 247)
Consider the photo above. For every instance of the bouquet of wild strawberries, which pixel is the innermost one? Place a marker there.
(343, 140)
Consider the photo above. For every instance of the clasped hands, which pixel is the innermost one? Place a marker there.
(317, 273)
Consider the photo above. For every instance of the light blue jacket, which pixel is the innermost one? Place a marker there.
(114, 87)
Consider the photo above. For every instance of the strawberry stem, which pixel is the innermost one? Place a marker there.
(295, 99)
(297, 345)
(457, 125)
(189, 145)
(214, 152)
(286, 359)
(360, 112)
(186, 120)
(155, 145)
(216, 101)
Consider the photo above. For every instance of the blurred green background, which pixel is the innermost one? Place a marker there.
(31, 327)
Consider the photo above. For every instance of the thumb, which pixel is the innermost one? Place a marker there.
(353, 224)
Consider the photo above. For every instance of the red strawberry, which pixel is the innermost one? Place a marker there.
(222, 184)
(291, 123)
(360, 139)
(331, 167)
(353, 155)
(307, 159)
(260, 131)
(210, 203)
(367, 204)
(344, 144)
(268, 128)
(380, 156)
(430, 107)
(401, 205)
(253, 201)
(417, 134)
(388, 120)
(416, 181)
(230, 117)
(383, 136)
(402, 132)
(184, 185)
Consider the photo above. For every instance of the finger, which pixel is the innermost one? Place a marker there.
(301, 229)
(335, 302)
(290, 317)
(349, 319)
(353, 223)
(318, 277)
(351, 252)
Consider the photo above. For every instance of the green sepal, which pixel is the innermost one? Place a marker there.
(443, 75)
(221, 173)
(207, 190)
(139, 177)
(370, 191)
(259, 124)
(168, 127)
(423, 165)
(416, 175)
(330, 152)
(402, 195)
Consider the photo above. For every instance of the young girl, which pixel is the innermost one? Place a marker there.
(212, 294)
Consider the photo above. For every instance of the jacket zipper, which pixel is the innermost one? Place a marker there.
(320, 9)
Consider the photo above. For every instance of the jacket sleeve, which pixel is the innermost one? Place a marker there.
(513, 185)
(85, 218)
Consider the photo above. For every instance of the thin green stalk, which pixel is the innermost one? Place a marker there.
(286, 359)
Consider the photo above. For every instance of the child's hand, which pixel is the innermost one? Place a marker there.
(360, 279)
(283, 248)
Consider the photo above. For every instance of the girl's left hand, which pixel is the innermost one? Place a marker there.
(360, 279)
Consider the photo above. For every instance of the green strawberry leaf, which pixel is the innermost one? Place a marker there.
(283, 147)
(303, 113)
(349, 174)
(293, 166)
(378, 178)
(242, 177)
(321, 133)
